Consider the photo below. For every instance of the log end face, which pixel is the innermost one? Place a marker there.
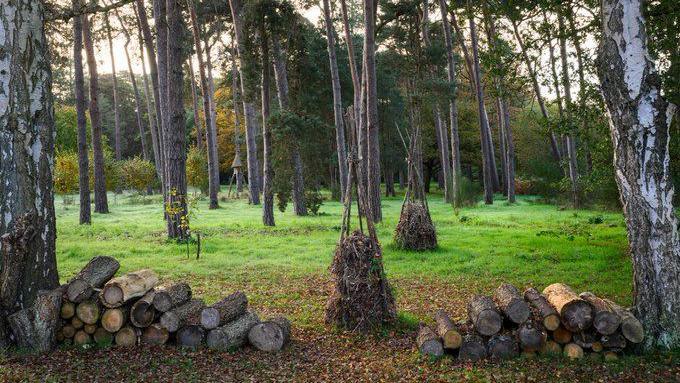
(518, 311)
(210, 318)
(633, 331)
(267, 336)
(489, 322)
(112, 296)
(577, 315)
(551, 322)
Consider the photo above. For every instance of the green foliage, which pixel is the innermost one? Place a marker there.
(111, 169)
(137, 174)
(66, 126)
(470, 192)
(66, 173)
(313, 200)
(197, 169)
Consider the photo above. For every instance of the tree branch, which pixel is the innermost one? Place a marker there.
(57, 13)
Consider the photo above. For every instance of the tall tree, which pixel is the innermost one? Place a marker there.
(79, 90)
(116, 111)
(340, 144)
(372, 127)
(101, 204)
(267, 189)
(27, 221)
(237, 124)
(194, 105)
(249, 96)
(354, 69)
(640, 119)
(162, 55)
(214, 165)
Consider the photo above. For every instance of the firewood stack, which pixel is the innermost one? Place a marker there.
(132, 309)
(555, 322)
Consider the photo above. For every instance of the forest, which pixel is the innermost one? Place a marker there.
(296, 190)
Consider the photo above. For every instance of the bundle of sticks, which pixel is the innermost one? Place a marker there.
(555, 322)
(132, 309)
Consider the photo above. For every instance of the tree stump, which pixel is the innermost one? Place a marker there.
(484, 315)
(511, 303)
(121, 289)
(270, 335)
(168, 298)
(576, 314)
(605, 320)
(550, 317)
(446, 329)
(94, 275)
(224, 311)
(232, 335)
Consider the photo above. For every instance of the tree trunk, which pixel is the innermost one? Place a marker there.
(267, 187)
(224, 311)
(214, 164)
(237, 124)
(337, 99)
(101, 204)
(484, 315)
(35, 328)
(232, 335)
(640, 119)
(175, 147)
(79, 89)
(510, 147)
(27, 222)
(354, 70)
(170, 297)
(194, 105)
(121, 289)
(249, 96)
(372, 127)
(116, 112)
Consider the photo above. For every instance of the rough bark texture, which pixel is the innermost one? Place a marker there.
(190, 336)
(631, 328)
(161, 55)
(116, 112)
(472, 349)
(372, 127)
(550, 317)
(639, 122)
(268, 173)
(101, 204)
(511, 303)
(27, 226)
(79, 90)
(270, 335)
(428, 342)
(170, 297)
(531, 336)
(224, 311)
(351, 56)
(119, 290)
(35, 328)
(502, 346)
(214, 164)
(248, 99)
(605, 320)
(194, 104)
(447, 330)
(232, 335)
(95, 274)
(186, 314)
(576, 314)
(484, 315)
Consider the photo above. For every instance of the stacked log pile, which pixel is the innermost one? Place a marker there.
(132, 309)
(555, 322)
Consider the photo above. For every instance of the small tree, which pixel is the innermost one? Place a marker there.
(66, 174)
(137, 174)
(197, 169)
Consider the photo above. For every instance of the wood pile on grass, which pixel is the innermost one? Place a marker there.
(555, 322)
(131, 309)
(415, 230)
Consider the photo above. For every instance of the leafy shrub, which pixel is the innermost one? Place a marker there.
(137, 174)
(110, 169)
(314, 200)
(66, 173)
(197, 169)
(470, 192)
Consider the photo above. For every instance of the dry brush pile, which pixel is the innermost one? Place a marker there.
(128, 310)
(555, 322)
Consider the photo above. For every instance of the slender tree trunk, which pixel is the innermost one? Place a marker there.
(194, 105)
(453, 108)
(237, 124)
(27, 222)
(248, 99)
(79, 87)
(570, 136)
(639, 120)
(162, 54)
(501, 142)
(268, 192)
(298, 189)
(175, 145)
(337, 99)
(100, 200)
(214, 164)
(510, 159)
(483, 119)
(537, 90)
(372, 127)
(157, 127)
(116, 112)
(353, 68)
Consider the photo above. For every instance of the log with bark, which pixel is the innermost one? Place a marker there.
(142, 312)
(631, 327)
(68, 309)
(270, 335)
(605, 320)
(224, 311)
(576, 314)
(613, 341)
(446, 329)
(119, 290)
(155, 335)
(186, 314)
(114, 319)
(502, 346)
(562, 335)
(428, 342)
(472, 348)
(94, 275)
(511, 303)
(550, 317)
(573, 351)
(531, 336)
(233, 334)
(168, 298)
(190, 336)
(484, 315)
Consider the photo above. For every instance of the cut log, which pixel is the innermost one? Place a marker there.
(82, 338)
(60, 336)
(190, 336)
(472, 348)
(511, 303)
(114, 319)
(102, 337)
(631, 327)
(184, 315)
(552, 348)
(90, 328)
(550, 317)
(232, 335)
(88, 311)
(35, 328)
(132, 285)
(531, 336)
(573, 351)
(610, 356)
(502, 347)
(142, 312)
(575, 313)
(562, 335)
(428, 342)
(484, 316)
(270, 335)
(155, 335)
(77, 323)
(605, 320)
(615, 340)
(68, 309)
(68, 331)
(94, 275)
(597, 346)
(224, 311)
(585, 339)
(446, 329)
(168, 298)
(128, 336)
